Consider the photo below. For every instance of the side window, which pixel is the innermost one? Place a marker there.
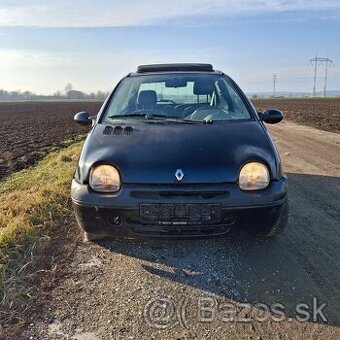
(238, 104)
(122, 101)
(221, 96)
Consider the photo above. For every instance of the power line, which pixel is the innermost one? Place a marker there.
(316, 62)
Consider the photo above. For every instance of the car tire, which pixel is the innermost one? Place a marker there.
(273, 230)
(88, 237)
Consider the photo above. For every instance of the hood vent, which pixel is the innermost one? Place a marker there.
(117, 130)
(128, 130)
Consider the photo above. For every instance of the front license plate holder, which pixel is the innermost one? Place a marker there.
(180, 214)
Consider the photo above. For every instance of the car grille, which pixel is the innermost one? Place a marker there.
(174, 194)
(167, 231)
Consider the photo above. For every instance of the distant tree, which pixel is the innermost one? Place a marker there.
(67, 88)
(101, 95)
(3, 94)
(14, 95)
(57, 94)
(28, 95)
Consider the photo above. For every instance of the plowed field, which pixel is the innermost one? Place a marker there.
(29, 129)
(322, 113)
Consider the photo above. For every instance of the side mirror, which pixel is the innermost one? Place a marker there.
(271, 116)
(83, 118)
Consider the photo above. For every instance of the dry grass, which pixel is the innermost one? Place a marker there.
(33, 202)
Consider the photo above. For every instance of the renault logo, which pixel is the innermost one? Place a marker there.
(179, 174)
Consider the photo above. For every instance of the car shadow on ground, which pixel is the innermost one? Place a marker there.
(299, 266)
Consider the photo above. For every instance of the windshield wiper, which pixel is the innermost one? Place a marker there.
(150, 116)
(145, 115)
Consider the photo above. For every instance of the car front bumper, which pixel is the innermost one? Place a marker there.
(121, 214)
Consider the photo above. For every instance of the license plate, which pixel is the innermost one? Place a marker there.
(180, 214)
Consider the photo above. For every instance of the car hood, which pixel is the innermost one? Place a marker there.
(151, 153)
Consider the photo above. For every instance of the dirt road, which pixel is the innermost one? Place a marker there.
(198, 289)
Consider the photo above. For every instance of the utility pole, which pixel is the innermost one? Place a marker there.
(316, 62)
(274, 85)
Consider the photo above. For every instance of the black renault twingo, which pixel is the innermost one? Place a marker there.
(177, 150)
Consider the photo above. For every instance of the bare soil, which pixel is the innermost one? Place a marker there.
(125, 289)
(28, 130)
(322, 113)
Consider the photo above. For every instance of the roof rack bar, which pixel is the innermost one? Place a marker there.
(175, 67)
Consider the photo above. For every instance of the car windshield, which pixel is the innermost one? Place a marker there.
(187, 97)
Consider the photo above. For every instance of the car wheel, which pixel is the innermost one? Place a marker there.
(272, 230)
(92, 237)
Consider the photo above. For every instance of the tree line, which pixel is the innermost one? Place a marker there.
(68, 93)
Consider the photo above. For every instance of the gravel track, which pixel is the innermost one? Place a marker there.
(110, 290)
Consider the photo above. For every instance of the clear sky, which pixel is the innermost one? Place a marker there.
(92, 44)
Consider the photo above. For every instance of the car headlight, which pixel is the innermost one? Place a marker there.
(253, 176)
(104, 178)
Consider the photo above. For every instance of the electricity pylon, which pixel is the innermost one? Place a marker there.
(274, 85)
(316, 62)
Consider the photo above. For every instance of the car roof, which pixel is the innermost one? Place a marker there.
(175, 68)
